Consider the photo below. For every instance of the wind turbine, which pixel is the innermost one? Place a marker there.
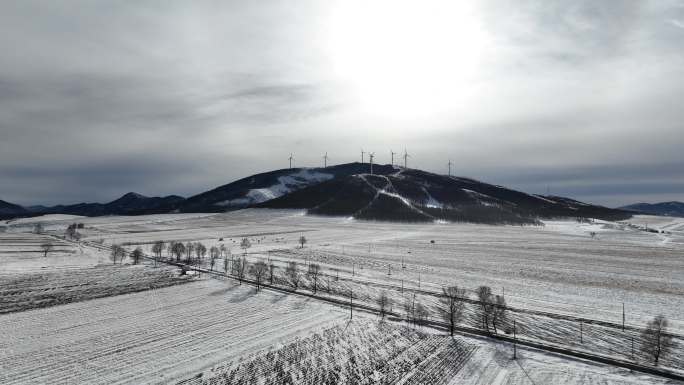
(449, 167)
(392, 153)
(291, 158)
(325, 160)
(406, 156)
(371, 155)
(362, 152)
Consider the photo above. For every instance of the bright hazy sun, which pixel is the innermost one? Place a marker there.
(406, 57)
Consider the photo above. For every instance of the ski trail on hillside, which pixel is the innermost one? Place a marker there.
(394, 194)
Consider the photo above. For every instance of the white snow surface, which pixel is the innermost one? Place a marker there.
(163, 335)
(151, 337)
(286, 184)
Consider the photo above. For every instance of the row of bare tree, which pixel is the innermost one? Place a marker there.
(656, 342)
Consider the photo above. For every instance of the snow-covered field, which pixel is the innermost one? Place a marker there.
(155, 336)
(559, 268)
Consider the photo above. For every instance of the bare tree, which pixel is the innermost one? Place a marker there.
(213, 255)
(189, 248)
(384, 302)
(421, 313)
(245, 244)
(137, 255)
(452, 306)
(47, 247)
(117, 253)
(258, 271)
(212, 263)
(271, 272)
(313, 273)
(38, 228)
(240, 268)
(656, 342)
(485, 298)
(410, 309)
(169, 250)
(292, 272)
(72, 233)
(200, 251)
(302, 241)
(498, 312)
(178, 250)
(157, 249)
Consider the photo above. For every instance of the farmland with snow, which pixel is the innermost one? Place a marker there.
(565, 284)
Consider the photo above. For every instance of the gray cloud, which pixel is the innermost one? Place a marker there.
(97, 99)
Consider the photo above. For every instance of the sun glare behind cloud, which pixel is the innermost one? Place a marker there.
(406, 58)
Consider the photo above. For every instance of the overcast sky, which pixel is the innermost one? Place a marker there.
(98, 98)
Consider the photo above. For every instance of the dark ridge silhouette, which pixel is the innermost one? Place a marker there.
(129, 204)
(391, 193)
(669, 209)
(273, 184)
(10, 210)
(414, 195)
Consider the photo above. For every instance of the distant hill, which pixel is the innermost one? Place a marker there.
(270, 185)
(390, 193)
(129, 204)
(414, 195)
(670, 209)
(10, 210)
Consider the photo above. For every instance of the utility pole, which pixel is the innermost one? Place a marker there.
(515, 342)
(623, 316)
(449, 167)
(362, 152)
(419, 280)
(351, 304)
(581, 332)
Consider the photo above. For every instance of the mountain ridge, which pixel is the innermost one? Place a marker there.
(388, 193)
(418, 196)
(671, 209)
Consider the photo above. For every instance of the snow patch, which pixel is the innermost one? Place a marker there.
(286, 184)
(431, 202)
(476, 194)
(393, 195)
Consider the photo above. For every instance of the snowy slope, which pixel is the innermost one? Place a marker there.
(263, 187)
(414, 195)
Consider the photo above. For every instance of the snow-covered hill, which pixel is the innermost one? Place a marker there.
(263, 187)
(414, 195)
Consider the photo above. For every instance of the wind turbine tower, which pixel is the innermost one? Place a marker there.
(291, 158)
(449, 167)
(392, 153)
(325, 160)
(371, 155)
(406, 156)
(362, 152)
